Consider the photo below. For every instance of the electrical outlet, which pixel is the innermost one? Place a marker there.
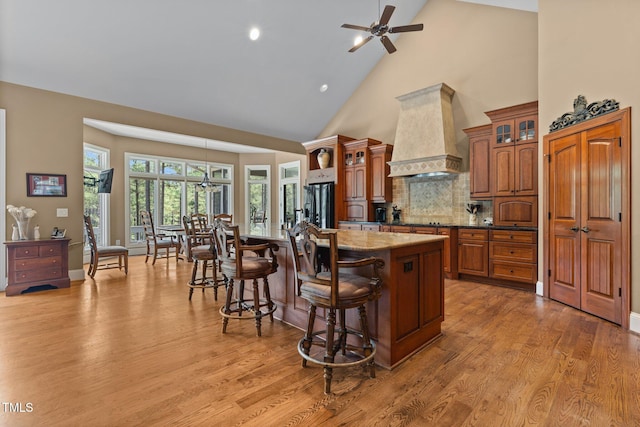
(62, 212)
(118, 242)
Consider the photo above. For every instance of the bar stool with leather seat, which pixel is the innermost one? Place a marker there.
(201, 250)
(239, 262)
(335, 290)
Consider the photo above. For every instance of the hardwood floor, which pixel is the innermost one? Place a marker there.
(132, 350)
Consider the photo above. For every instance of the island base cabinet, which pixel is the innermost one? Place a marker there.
(406, 317)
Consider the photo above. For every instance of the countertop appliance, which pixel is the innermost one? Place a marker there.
(381, 214)
(319, 204)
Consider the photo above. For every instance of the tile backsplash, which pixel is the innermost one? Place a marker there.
(436, 199)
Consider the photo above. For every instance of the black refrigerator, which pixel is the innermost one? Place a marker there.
(319, 204)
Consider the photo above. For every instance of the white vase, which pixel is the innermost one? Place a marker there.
(323, 158)
(15, 235)
(473, 219)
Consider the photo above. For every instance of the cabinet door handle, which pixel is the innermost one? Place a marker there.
(574, 228)
(585, 229)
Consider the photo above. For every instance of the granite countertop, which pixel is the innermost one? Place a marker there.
(354, 240)
(480, 226)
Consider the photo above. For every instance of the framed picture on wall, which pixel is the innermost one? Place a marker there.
(46, 184)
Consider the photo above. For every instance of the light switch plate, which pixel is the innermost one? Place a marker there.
(62, 212)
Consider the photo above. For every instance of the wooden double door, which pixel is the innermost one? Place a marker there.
(588, 219)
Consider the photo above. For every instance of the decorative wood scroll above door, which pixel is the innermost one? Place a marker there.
(582, 112)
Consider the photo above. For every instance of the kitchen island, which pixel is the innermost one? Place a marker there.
(410, 311)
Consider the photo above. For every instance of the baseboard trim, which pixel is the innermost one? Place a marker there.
(76, 275)
(634, 322)
(539, 288)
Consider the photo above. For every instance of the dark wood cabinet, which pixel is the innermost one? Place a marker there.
(515, 211)
(513, 255)
(515, 170)
(37, 265)
(517, 124)
(479, 161)
(381, 190)
(357, 180)
(473, 252)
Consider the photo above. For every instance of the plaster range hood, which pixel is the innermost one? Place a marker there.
(425, 137)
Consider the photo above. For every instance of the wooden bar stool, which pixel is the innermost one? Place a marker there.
(201, 250)
(240, 262)
(336, 291)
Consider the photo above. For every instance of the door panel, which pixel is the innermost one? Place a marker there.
(600, 224)
(585, 227)
(564, 202)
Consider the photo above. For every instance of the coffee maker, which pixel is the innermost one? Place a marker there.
(381, 214)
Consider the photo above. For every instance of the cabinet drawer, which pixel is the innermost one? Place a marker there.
(38, 275)
(425, 230)
(401, 228)
(50, 250)
(37, 263)
(369, 227)
(472, 234)
(513, 252)
(513, 271)
(514, 236)
(27, 252)
(349, 226)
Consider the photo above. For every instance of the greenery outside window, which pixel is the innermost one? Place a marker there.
(167, 188)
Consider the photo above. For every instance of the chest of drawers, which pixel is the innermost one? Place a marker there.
(37, 265)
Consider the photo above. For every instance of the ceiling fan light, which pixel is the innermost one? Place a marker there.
(357, 40)
(254, 34)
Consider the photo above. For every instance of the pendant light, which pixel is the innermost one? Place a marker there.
(206, 184)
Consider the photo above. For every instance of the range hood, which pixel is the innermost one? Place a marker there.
(425, 141)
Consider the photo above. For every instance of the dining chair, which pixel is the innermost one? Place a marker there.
(104, 252)
(329, 283)
(157, 242)
(224, 217)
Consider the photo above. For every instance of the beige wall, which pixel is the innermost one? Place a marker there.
(589, 47)
(45, 134)
(488, 55)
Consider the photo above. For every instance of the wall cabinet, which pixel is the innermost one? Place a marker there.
(515, 211)
(357, 180)
(37, 265)
(515, 170)
(381, 184)
(479, 161)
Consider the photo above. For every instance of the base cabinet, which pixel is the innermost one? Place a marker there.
(473, 252)
(37, 265)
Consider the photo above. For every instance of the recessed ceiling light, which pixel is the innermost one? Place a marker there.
(324, 87)
(254, 34)
(357, 40)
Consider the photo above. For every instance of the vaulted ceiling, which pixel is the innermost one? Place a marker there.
(194, 58)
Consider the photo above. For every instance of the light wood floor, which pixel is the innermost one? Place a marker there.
(127, 351)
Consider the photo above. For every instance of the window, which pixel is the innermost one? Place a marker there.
(258, 190)
(96, 205)
(289, 192)
(168, 188)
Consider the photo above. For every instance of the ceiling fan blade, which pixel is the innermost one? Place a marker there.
(359, 45)
(386, 14)
(356, 27)
(406, 28)
(387, 44)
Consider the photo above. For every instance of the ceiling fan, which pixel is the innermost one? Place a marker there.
(381, 28)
